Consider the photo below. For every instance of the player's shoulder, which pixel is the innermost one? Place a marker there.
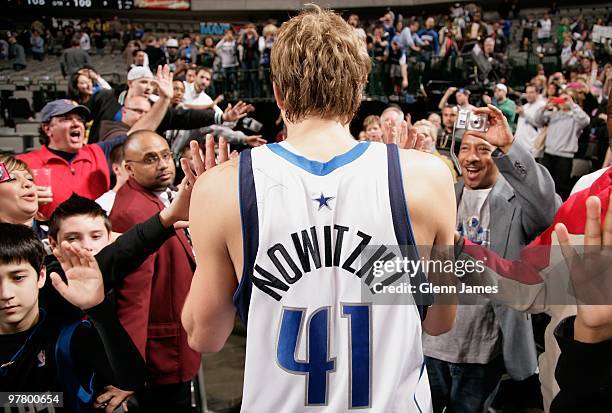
(219, 180)
(424, 167)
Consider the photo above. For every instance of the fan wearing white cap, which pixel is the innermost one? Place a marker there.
(507, 106)
(140, 81)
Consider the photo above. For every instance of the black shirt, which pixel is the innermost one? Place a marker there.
(101, 347)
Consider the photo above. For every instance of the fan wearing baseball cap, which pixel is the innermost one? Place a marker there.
(507, 106)
(462, 97)
(141, 84)
(75, 167)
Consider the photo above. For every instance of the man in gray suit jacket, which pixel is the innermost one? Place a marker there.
(504, 201)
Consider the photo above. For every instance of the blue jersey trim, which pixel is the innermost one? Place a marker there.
(418, 381)
(401, 219)
(316, 167)
(250, 233)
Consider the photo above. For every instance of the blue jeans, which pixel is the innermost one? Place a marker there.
(463, 387)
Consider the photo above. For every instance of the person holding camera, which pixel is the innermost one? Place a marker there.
(504, 201)
(565, 121)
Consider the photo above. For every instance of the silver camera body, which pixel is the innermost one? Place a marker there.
(468, 120)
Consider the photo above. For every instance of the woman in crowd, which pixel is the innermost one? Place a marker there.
(19, 196)
(427, 135)
(207, 54)
(265, 47)
(249, 45)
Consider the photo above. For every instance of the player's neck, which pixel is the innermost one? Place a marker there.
(320, 139)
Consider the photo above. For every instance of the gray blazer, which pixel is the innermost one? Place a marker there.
(522, 204)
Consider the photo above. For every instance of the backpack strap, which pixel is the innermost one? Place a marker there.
(76, 394)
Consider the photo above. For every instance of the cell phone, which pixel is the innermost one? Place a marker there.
(557, 101)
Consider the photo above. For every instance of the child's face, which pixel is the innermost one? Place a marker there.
(19, 284)
(85, 231)
(374, 133)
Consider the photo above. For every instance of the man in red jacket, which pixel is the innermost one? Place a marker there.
(150, 300)
(75, 167)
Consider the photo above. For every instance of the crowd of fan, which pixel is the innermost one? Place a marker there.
(400, 47)
(120, 155)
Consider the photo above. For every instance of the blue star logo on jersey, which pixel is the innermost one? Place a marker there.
(323, 201)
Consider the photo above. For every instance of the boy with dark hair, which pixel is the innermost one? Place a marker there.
(83, 223)
(78, 206)
(37, 349)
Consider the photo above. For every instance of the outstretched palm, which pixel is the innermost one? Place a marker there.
(84, 287)
(234, 113)
(591, 273)
(163, 80)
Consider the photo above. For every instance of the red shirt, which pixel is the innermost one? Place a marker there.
(86, 175)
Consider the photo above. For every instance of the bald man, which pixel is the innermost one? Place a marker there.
(149, 301)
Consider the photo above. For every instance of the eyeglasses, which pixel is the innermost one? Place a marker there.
(139, 111)
(154, 158)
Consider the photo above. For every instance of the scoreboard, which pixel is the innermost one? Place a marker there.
(72, 4)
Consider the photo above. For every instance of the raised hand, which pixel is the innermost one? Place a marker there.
(410, 138)
(591, 273)
(218, 99)
(498, 134)
(255, 140)
(84, 287)
(239, 111)
(163, 80)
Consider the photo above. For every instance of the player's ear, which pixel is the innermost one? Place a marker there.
(278, 96)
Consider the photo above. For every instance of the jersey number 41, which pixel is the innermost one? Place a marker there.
(318, 363)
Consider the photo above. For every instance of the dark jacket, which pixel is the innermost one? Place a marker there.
(74, 59)
(150, 299)
(584, 373)
(105, 107)
(110, 129)
(116, 261)
(157, 57)
(103, 348)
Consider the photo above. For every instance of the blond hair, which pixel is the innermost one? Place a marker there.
(13, 164)
(269, 29)
(320, 66)
(371, 120)
(429, 127)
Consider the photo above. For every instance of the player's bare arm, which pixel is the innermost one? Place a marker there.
(215, 228)
(428, 186)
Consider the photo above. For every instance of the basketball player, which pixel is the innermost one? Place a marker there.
(278, 233)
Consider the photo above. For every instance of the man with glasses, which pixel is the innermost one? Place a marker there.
(150, 299)
(141, 84)
(74, 166)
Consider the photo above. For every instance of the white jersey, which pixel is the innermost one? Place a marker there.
(313, 342)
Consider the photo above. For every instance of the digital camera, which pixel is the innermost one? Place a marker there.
(468, 120)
